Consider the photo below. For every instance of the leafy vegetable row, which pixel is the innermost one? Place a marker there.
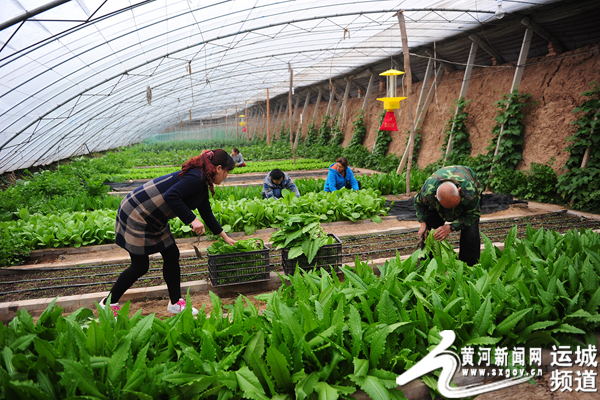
(258, 166)
(343, 205)
(318, 337)
(75, 229)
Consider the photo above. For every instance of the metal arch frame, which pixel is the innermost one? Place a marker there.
(134, 108)
(92, 133)
(160, 73)
(166, 82)
(28, 14)
(109, 79)
(74, 28)
(91, 49)
(87, 66)
(188, 47)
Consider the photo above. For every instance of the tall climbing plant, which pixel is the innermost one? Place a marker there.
(511, 116)
(587, 130)
(382, 140)
(359, 130)
(581, 186)
(337, 135)
(312, 134)
(457, 127)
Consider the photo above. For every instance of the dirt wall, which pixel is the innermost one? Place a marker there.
(555, 82)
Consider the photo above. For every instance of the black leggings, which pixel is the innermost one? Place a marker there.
(470, 241)
(140, 265)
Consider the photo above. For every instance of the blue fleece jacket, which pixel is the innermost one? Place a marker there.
(335, 180)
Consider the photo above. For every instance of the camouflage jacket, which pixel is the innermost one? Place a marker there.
(468, 210)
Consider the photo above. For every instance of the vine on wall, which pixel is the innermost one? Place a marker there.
(359, 130)
(312, 135)
(337, 135)
(382, 141)
(580, 187)
(324, 131)
(457, 127)
(511, 115)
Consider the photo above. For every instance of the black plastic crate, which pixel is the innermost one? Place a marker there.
(328, 256)
(238, 268)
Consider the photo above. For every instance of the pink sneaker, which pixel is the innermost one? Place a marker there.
(179, 306)
(114, 306)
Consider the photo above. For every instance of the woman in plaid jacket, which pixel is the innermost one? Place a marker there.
(142, 226)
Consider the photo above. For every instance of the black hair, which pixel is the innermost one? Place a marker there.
(207, 161)
(277, 174)
(343, 161)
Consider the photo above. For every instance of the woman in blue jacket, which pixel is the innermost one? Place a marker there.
(340, 176)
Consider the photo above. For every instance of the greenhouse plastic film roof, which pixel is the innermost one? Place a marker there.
(74, 75)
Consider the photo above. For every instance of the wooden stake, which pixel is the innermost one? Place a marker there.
(299, 133)
(430, 94)
(268, 125)
(515, 84)
(290, 108)
(586, 155)
(463, 93)
(408, 79)
(368, 92)
(331, 96)
(317, 106)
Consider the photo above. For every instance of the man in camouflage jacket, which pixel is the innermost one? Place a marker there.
(452, 194)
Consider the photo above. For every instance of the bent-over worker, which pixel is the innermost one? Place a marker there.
(452, 194)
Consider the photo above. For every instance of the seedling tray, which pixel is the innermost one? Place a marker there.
(238, 268)
(328, 256)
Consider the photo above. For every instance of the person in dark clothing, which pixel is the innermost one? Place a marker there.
(142, 225)
(452, 194)
(275, 182)
(237, 157)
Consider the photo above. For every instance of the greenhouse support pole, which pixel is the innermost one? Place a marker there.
(368, 92)
(408, 80)
(430, 94)
(274, 118)
(403, 161)
(424, 86)
(296, 106)
(515, 84)
(285, 112)
(247, 133)
(463, 93)
(317, 105)
(268, 120)
(249, 116)
(586, 155)
(487, 48)
(263, 125)
(226, 126)
(236, 124)
(345, 100)
(290, 111)
(341, 102)
(302, 118)
(276, 124)
(331, 95)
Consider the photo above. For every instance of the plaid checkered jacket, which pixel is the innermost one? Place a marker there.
(142, 225)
